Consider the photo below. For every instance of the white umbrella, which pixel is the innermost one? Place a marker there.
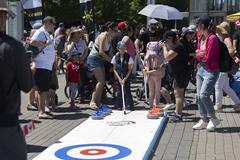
(162, 12)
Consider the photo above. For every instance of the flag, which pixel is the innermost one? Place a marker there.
(34, 10)
(85, 5)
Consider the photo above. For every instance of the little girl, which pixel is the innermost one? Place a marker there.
(154, 70)
(72, 75)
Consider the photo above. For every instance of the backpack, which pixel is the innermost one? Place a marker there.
(226, 62)
(34, 51)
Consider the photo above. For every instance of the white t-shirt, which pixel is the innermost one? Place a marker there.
(81, 46)
(113, 61)
(45, 59)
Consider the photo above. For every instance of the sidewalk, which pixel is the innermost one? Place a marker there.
(178, 141)
(181, 142)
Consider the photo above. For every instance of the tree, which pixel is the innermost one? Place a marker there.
(68, 11)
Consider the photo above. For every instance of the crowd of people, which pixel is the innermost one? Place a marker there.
(120, 50)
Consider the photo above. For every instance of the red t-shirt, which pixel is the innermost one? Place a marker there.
(73, 71)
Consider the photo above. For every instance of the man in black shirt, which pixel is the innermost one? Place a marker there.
(16, 76)
(150, 35)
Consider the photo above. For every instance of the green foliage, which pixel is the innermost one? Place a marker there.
(105, 10)
(181, 5)
(64, 10)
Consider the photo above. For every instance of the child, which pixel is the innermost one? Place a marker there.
(122, 66)
(72, 78)
(154, 70)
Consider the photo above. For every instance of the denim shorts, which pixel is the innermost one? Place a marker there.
(94, 62)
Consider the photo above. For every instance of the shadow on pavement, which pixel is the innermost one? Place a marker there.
(73, 116)
(28, 120)
(228, 130)
(191, 107)
(191, 119)
(66, 110)
(35, 148)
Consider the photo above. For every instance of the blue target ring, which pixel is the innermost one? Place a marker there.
(123, 152)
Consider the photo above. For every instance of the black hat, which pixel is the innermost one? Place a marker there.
(169, 34)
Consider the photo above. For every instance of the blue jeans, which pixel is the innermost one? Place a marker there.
(94, 62)
(205, 86)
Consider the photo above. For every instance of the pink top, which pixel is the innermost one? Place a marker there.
(131, 50)
(154, 63)
(212, 52)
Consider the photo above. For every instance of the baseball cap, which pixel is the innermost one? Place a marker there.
(122, 25)
(121, 44)
(61, 24)
(186, 30)
(73, 52)
(153, 48)
(206, 20)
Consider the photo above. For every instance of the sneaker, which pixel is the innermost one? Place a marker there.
(47, 110)
(105, 111)
(169, 106)
(154, 113)
(106, 108)
(31, 107)
(236, 107)
(98, 115)
(177, 118)
(218, 108)
(212, 124)
(200, 125)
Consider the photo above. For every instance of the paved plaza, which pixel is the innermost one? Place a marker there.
(178, 141)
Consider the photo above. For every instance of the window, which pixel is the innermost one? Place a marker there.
(216, 5)
(233, 5)
(197, 5)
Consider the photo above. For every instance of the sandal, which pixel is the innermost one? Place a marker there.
(45, 116)
(31, 107)
(93, 106)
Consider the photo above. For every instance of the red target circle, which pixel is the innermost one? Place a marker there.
(93, 152)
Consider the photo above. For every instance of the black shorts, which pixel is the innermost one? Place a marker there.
(43, 79)
(180, 81)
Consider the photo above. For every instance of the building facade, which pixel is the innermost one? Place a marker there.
(15, 27)
(217, 9)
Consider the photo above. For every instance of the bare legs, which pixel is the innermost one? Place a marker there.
(99, 74)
